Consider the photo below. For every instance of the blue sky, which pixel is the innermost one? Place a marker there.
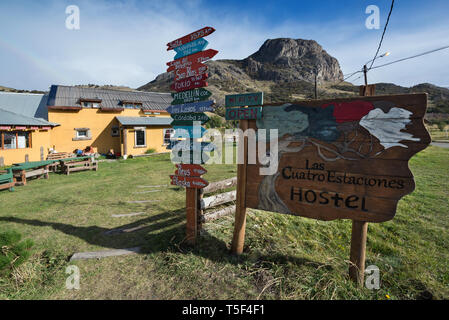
(123, 42)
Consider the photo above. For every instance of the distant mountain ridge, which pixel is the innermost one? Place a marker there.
(284, 69)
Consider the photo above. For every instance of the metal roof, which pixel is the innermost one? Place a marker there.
(144, 121)
(13, 119)
(110, 98)
(27, 104)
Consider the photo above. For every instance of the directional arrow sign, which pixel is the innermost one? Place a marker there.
(190, 170)
(191, 48)
(190, 37)
(187, 85)
(193, 59)
(180, 119)
(189, 182)
(194, 95)
(200, 106)
(193, 134)
(190, 83)
(191, 71)
(245, 99)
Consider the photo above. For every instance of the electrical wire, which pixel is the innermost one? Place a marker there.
(408, 58)
(383, 34)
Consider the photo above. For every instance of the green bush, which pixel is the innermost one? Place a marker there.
(150, 151)
(13, 252)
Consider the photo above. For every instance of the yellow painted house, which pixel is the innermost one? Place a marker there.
(128, 122)
(70, 118)
(24, 131)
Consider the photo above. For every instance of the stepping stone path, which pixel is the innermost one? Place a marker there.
(143, 201)
(103, 254)
(159, 186)
(121, 230)
(146, 191)
(127, 214)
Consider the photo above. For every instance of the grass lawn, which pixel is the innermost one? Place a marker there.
(285, 257)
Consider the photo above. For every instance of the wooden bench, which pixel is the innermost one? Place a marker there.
(58, 156)
(7, 180)
(23, 171)
(76, 165)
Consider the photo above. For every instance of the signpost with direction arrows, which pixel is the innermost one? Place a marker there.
(187, 109)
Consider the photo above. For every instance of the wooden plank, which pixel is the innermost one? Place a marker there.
(190, 170)
(218, 199)
(200, 106)
(203, 32)
(244, 99)
(180, 119)
(190, 48)
(193, 59)
(251, 113)
(220, 185)
(190, 96)
(188, 182)
(240, 211)
(193, 70)
(105, 253)
(207, 217)
(188, 84)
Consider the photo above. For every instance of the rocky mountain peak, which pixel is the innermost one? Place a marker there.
(286, 59)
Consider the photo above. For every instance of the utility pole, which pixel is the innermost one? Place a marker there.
(365, 72)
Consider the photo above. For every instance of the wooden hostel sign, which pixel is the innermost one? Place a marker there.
(340, 159)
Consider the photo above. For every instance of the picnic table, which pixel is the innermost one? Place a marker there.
(25, 170)
(78, 164)
(7, 180)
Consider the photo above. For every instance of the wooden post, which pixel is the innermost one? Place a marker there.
(192, 212)
(358, 250)
(240, 211)
(359, 228)
(42, 153)
(2, 162)
(200, 211)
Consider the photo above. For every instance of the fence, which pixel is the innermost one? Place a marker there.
(207, 205)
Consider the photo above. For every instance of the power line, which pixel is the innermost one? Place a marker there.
(383, 34)
(408, 58)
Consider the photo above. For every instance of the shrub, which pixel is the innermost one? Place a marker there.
(150, 151)
(13, 252)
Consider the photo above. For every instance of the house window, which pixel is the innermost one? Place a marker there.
(115, 132)
(15, 140)
(87, 104)
(82, 134)
(140, 139)
(168, 133)
(131, 106)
